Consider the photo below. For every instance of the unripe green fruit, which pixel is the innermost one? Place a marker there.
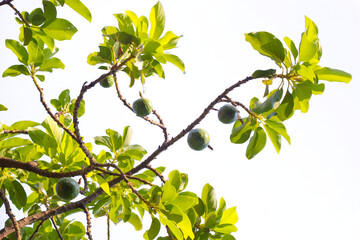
(227, 114)
(142, 107)
(67, 188)
(107, 82)
(198, 139)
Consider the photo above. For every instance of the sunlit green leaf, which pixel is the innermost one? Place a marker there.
(333, 75)
(49, 10)
(279, 128)
(291, 46)
(59, 29)
(153, 230)
(257, 143)
(135, 221)
(3, 108)
(286, 108)
(16, 70)
(269, 73)
(274, 137)
(209, 198)
(51, 63)
(125, 24)
(103, 184)
(267, 44)
(157, 20)
(80, 8)
(175, 60)
(18, 49)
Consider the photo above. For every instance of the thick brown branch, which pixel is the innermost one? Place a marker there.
(32, 167)
(10, 214)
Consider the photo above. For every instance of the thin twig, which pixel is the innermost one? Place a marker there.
(56, 228)
(10, 214)
(169, 232)
(128, 105)
(14, 131)
(88, 221)
(37, 229)
(156, 173)
(8, 2)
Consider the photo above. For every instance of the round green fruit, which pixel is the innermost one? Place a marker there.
(67, 188)
(227, 114)
(107, 82)
(198, 139)
(142, 107)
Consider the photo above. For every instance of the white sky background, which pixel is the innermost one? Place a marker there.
(311, 190)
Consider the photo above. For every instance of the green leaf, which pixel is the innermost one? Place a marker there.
(274, 137)
(44, 140)
(115, 138)
(135, 221)
(80, 8)
(14, 142)
(292, 47)
(175, 60)
(221, 209)
(269, 73)
(51, 63)
(53, 129)
(267, 44)
(36, 55)
(36, 17)
(59, 29)
(242, 133)
(333, 75)
(27, 35)
(136, 152)
(20, 194)
(16, 70)
(229, 216)
(279, 128)
(126, 138)
(169, 193)
(209, 198)
(49, 10)
(302, 94)
(125, 23)
(3, 108)
(306, 72)
(64, 97)
(174, 179)
(23, 125)
(272, 102)
(257, 143)
(210, 220)
(226, 229)
(185, 200)
(81, 110)
(18, 49)
(103, 184)
(310, 49)
(286, 108)
(169, 40)
(153, 230)
(172, 226)
(157, 20)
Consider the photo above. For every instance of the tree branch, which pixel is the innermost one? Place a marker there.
(10, 214)
(88, 221)
(32, 167)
